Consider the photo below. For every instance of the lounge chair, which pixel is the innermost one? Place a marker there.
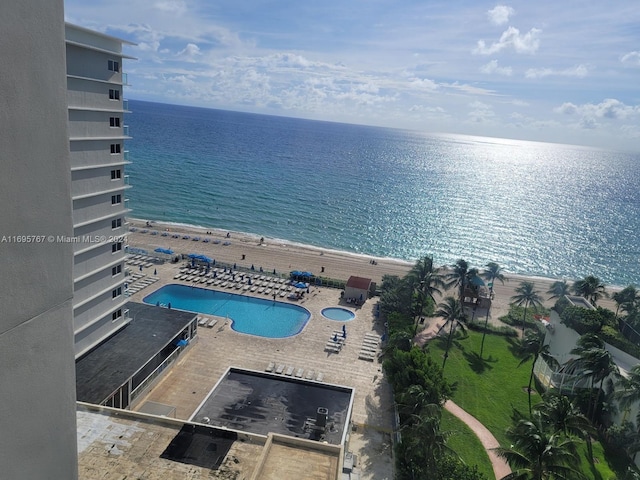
(299, 373)
(280, 369)
(309, 374)
(212, 323)
(320, 377)
(270, 367)
(289, 371)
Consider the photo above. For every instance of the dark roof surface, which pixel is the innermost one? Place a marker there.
(108, 366)
(359, 282)
(260, 403)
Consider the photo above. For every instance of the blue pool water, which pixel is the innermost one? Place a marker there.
(254, 316)
(339, 314)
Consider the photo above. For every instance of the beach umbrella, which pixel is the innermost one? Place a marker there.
(306, 274)
(300, 285)
(295, 273)
(344, 328)
(477, 281)
(252, 267)
(274, 271)
(335, 337)
(155, 272)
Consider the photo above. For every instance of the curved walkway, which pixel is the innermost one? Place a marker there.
(489, 442)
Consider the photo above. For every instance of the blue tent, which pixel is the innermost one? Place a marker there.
(300, 285)
(306, 274)
(296, 273)
(168, 251)
(193, 256)
(204, 258)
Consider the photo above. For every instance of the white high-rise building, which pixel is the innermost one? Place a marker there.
(97, 133)
(37, 376)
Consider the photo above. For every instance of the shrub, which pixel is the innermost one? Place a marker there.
(614, 338)
(582, 320)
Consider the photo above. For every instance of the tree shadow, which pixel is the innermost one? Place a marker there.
(477, 363)
(514, 347)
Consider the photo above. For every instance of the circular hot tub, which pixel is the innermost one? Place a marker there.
(338, 314)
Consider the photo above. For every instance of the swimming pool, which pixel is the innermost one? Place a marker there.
(339, 314)
(254, 316)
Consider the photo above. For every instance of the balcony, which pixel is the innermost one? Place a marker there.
(125, 130)
(125, 79)
(125, 105)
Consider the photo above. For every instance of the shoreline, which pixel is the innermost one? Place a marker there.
(284, 256)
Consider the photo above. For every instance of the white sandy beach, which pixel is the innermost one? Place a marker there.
(285, 256)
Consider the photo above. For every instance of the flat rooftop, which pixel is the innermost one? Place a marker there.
(263, 403)
(112, 363)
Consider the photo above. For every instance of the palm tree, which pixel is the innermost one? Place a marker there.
(426, 281)
(532, 347)
(557, 411)
(628, 390)
(452, 312)
(414, 400)
(425, 440)
(626, 298)
(537, 453)
(591, 288)
(596, 363)
(527, 296)
(559, 289)
(458, 277)
(493, 272)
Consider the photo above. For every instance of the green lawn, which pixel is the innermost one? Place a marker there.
(491, 388)
(487, 389)
(465, 443)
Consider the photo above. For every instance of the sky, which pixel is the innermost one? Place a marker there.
(557, 71)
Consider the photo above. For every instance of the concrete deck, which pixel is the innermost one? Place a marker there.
(198, 370)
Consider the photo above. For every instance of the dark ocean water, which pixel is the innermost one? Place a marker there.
(539, 209)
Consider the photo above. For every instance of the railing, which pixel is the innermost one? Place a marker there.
(125, 79)
(140, 389)
(125, 155)
(125, 104)
(125, 130)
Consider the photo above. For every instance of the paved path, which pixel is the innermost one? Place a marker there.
(489, 442)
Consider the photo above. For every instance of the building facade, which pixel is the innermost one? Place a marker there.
(37, 377)
(97, 134)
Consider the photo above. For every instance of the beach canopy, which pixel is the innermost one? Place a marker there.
(193, 255)
(306, 274)
(168, 251)
(296, 273)
(204, 258)
(300, 285)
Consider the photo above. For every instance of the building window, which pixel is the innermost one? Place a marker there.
(116, 270)
(116, 199)
(114, 94)
(116, 315)
(116, 174)
(115, 148)
(114, 66)
(116, 223)
(115, 293)
(116, 247)
(114, 121)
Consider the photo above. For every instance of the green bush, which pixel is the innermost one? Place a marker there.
(614, 338)
(582, 320)
(561, 304)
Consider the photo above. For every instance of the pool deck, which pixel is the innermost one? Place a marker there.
(189, 382)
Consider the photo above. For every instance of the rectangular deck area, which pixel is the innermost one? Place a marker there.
(261, 403)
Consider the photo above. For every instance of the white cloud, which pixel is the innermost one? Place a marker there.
(174, 7)
(579, 71)
(481, 112)
(499, 15)
(190, 52)
(631, 58)
(511, 38)
(492, 67)
(592, 115)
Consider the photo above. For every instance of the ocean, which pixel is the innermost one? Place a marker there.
(540, 209)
